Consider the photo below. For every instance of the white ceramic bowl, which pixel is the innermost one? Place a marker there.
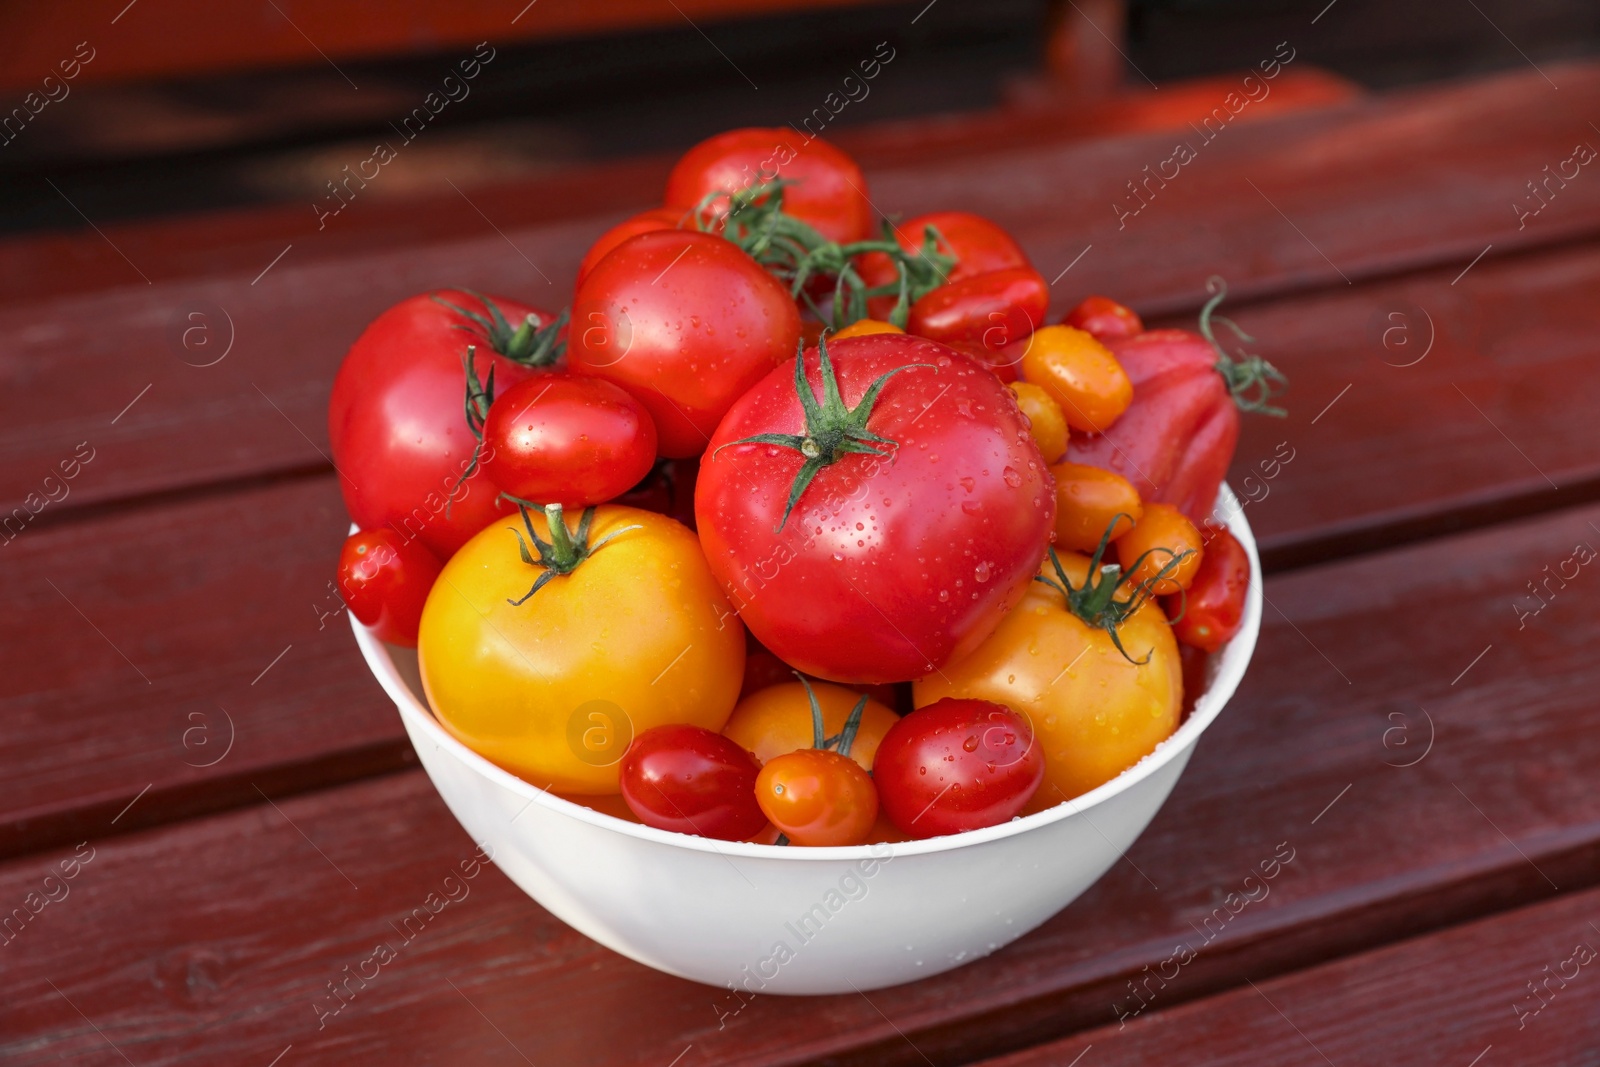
(804, 920)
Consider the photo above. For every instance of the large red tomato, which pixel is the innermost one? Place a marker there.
(828, 190)
(875, 517)
(686, 322)
(400, 436)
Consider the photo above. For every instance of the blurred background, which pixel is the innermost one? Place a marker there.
(203, 105)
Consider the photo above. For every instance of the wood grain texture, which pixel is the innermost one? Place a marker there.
(214, 940)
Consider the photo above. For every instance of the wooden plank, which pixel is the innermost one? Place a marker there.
(1511, 989)
(214, 941)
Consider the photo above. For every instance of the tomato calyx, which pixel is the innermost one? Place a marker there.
(527, 343)
(1252, 381)
(832, 430)
(565, 550)
(1096, 603)
(841, 741)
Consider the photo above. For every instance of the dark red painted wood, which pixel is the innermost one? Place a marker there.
(213, 941)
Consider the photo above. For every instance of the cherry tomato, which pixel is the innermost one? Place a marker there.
(1214, 606)
(400, 438)
(1081, 375)
(866, 328)
(1045, 421)
(1087, 500)
(385, 580)
(957, 765)
(686, 323)
(880, 570)
(818, 797)
(657, 218)
(1104, 318)
(977, 245)
(559, 439)
(992, 309)
(777, 719)
(828, 191)
(692, 781)
(1162, 540)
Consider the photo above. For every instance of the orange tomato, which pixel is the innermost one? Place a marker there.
(1087, 500)
(1045, 420)
(776, 720)
(863, 327)
(1080, 374)
(818, 797)
(1162, 535)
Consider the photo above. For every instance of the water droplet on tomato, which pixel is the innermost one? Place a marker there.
(981, 572)
(1013, 479)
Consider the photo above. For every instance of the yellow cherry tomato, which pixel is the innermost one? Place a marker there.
(553, 689)
(863, 327)
(1095, 712)
(776, 720)
(1162, 535)
(1087, 500)
(1049, 426)
(1081, 375)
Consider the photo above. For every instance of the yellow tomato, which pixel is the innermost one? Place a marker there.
(636, 635)
(1087, 500)
(1094, 712)
(1081, 375)
(776, 720)
(863, 327)
(1049, 426)
(1162, 539)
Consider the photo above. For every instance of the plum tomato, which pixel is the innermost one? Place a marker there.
(1045, 422)
(778, 719)
(1089, 662)
(993, 309)
(405, 452)
(657, 218)
(1088, 499)
(956, 765)
(817, 797)
(1210, 614)
(546, 649)
(866, 328)
(828, 190)
(874, 509)
(1104, 319)
(686, 323)
(692, 781)
(1080, 374)
(385, 580)
(1163, 549)
(560, 439)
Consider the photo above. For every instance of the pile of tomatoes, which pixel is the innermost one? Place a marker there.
(799, 528)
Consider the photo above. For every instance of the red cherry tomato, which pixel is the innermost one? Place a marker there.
(993, 309)
(1214, 608)
(693, 781)
(686, 323)
(385, 580)
(978, 245)
(828, 191)
(400, 438)
(892, 561)
(956, 765)
(559, 439)
(657, 218)
(818, 797)
(1104, 318)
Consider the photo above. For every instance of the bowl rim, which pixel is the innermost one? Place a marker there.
(1230, 669)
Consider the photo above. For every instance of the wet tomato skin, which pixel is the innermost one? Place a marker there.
(657, 218)
(818, 797)
(1214, 607)
(992, 309)
(385, 580)
(557, 439)
(692, 781)
(957, 765)
(1103, 317)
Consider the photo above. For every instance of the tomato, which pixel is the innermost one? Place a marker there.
(1045, 421)
(957, 765)
(1104, 319)
(1163, 548)
(1211, 613)
(658, 218)
(385, 580)
(1088, 500)
(976, 244)
(874, 512)
(548, 655)
(829, 191)
(1095, 672)
(991, 309)
(692, 781)
(401, 442)
(865, 328)
(1081, 375)
(817, 797)
(1002, 362)
(686, 323)
(777, 719)
(560, 439)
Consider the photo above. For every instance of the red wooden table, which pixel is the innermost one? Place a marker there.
(210, 810)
